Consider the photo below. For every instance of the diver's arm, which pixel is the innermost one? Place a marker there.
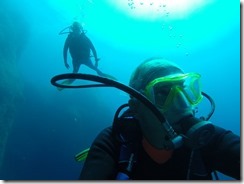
(101, 162)
(65, 50)
(94, 52)
(224, 153)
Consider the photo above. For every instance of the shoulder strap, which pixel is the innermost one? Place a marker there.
(127, 132)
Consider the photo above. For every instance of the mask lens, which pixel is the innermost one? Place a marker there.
(162, 91)
(162, 96)
(192, 89)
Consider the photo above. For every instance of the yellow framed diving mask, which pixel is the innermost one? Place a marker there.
(162, 91)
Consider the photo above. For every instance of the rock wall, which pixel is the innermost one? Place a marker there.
(13, 36)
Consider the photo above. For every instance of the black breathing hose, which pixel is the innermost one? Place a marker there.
(106, 83)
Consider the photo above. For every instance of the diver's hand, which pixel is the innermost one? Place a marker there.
(67, 65)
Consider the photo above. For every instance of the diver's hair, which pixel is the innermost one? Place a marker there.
(151, 69)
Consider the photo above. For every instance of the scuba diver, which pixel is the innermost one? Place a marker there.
(139, 146)
(79, 46)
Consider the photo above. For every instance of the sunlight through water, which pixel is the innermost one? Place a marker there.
(156, 9)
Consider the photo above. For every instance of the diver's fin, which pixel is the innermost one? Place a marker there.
(82, 155)
(65, 82)
(108, 76)
(59, 88)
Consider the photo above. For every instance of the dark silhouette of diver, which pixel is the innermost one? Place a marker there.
(79, 46)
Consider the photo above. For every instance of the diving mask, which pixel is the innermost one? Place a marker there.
(164, 90)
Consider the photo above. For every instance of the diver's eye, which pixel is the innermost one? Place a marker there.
(163, 91)
(161, 96)
(160, 99)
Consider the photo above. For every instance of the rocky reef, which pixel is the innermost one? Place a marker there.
(13, 36)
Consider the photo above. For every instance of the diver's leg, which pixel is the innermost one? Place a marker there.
(76, 67)
(90, 65)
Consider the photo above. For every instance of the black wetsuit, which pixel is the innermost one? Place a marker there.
(79, 47)
(222, 154)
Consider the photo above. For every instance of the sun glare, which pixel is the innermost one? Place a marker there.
(155, 9)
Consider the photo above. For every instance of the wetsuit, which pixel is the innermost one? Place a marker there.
(221, 154)
(79, 47)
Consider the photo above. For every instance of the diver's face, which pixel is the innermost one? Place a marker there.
(175, 95)
(177, 108)
(171, 100)
(153, 130)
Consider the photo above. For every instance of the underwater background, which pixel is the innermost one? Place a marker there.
(42, 129)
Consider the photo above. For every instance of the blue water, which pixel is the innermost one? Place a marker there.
(52, 126)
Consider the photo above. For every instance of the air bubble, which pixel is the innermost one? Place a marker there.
(178, 45)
